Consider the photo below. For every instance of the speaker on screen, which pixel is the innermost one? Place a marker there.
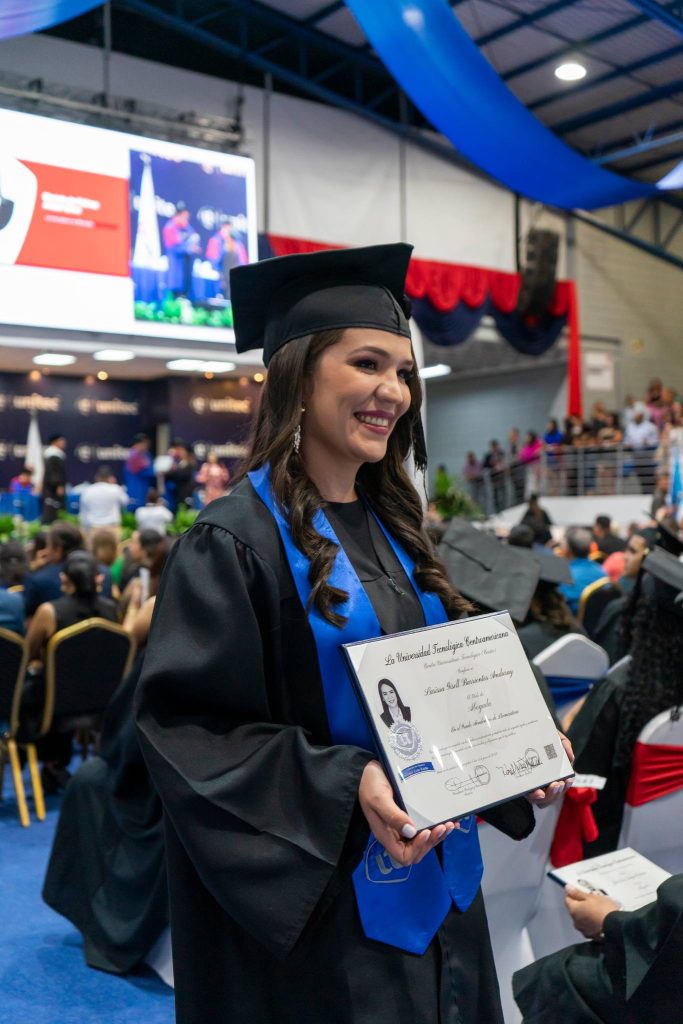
(538, 274)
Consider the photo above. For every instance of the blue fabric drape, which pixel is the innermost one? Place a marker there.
(447, 77)
(460, 323)
(18, 17)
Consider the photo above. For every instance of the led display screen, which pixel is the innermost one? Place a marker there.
(108, 232)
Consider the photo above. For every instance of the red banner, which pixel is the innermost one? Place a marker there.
(80, 222)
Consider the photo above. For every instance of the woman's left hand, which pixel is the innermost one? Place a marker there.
(551, 793)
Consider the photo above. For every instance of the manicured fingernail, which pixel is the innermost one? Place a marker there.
(408, 831)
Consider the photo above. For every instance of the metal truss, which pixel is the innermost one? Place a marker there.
(301, 57)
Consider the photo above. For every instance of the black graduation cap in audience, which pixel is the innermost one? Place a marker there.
(552, 569)
(668, 538)
(663, 579)
(493, 575)
(281, 299)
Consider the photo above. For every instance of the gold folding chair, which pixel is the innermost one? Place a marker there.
(84, 664)
(586, 593)
(13, 663)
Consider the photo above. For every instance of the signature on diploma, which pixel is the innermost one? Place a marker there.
(522, 765)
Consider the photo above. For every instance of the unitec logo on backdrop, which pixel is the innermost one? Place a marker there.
(200, 405)
(106, 407)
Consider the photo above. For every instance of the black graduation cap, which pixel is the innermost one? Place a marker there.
(668, 538)
(663, 579)
(552, 568)
(277, 300)
(493, 575)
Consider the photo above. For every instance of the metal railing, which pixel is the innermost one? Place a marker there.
(568, 471)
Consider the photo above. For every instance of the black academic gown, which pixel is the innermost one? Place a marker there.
(593, 734)
(106, 872)
(632, 977)
(263, 825)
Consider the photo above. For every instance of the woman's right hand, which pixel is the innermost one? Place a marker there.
(390, 825)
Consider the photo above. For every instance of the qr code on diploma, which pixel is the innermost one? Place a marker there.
(550, 751)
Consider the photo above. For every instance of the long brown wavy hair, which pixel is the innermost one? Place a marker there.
(385, 484)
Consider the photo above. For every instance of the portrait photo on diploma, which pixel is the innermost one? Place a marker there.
(458, 719)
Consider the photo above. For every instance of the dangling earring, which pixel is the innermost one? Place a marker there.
(297, 434)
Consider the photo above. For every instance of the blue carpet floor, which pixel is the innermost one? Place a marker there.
(43, 977)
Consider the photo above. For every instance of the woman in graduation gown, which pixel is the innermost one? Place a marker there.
(285, 906)
(629, 974)
(637, 688)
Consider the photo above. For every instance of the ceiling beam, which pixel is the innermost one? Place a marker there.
(653, 250)
(663, 158)
(541, 11)
(658, 12)
(585, 43)
(324, 12)
(608, 76)
(641, 99)
(203, 37)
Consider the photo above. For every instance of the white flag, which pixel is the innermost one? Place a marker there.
(34, 453)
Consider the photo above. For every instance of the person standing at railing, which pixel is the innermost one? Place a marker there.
(642, 438)
(608, 437)
(473, 474)
(517, 470)
(494, 464)
(530, 457)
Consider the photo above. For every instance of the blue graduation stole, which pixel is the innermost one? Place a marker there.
(408, 914)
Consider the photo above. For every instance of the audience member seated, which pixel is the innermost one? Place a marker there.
(607, 632)
(576, 549)
(549, 616)
(45, 584)
(80, 600)
(106, 872)
(650, 680)
(630, 973)
(128, 562)
(538, 519)
(13, 564)
(102, 503)
(522, 536)
(37, 551)
(608, 542)
(11, 612)
(22, 484)
(155, 548)
(153, 515)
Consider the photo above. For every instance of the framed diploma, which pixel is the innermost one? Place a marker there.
(457, 715)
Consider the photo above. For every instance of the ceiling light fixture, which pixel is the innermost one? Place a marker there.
(185, 365)
(102, 375)
(570, 71)
(217, 366)
(54, 359)
(113, 355)
(35, 375)
(438, 370)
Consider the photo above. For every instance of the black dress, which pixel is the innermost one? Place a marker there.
(632, 977)
(106, 872)
(594, 734)
(263, 826)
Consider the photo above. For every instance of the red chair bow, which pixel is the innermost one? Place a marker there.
(575, 826)
(656, 770)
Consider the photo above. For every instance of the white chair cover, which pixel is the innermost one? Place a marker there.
(513, 873)
(575, 662)
(655, 829)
